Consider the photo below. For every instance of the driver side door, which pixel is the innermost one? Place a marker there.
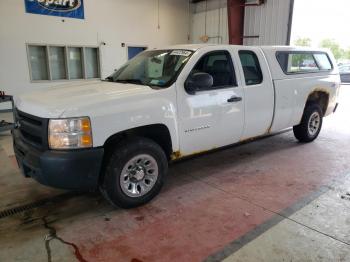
(211, 117)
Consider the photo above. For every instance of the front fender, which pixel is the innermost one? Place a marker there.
(158, 108)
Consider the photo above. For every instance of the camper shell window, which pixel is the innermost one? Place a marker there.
(302, 62)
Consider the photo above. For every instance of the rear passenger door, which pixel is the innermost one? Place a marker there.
(259, 92)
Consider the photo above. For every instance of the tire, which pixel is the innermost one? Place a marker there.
(128, 181)
(311, 124)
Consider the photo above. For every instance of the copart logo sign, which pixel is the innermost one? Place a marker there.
(60, 5)
(63, 8)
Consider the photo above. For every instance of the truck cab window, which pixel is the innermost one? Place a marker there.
(251, 68)
(219, 65)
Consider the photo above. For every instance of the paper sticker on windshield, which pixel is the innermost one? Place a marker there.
(154, 82)
(181, 53)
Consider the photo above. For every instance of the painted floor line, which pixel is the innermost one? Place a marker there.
(237, 244)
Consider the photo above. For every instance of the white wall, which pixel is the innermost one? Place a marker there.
(111, 21)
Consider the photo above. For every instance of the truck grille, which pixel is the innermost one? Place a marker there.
(33, 129)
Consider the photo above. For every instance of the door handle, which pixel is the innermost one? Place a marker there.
(234, 99)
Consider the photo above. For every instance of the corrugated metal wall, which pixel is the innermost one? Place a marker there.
(217, 31)
(268, 21)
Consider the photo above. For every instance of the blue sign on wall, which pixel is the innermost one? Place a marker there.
(63, 8)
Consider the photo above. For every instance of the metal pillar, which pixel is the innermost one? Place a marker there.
(235, 9)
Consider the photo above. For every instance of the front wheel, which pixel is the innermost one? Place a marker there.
(311, 124)
(135, 173)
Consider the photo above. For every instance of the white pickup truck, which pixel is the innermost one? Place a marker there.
(119, 134)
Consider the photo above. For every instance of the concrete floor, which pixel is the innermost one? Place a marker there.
(269, 200)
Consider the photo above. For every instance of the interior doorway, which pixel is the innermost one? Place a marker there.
(135, 50)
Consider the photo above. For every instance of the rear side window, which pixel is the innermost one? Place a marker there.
(303, 62)
(251, 68)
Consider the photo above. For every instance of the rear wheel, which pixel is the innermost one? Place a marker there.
(311, 124)
(135, 173)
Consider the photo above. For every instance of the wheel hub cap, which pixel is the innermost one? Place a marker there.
(314, 123)
(139, 175)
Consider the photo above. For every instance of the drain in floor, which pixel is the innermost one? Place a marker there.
(37, 204)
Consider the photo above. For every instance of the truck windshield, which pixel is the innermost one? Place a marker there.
(158, 68)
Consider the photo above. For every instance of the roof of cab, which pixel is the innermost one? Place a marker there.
(192, 47)
(195, 47)
(269, 53)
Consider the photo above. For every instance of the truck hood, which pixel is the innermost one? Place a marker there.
(73, 99)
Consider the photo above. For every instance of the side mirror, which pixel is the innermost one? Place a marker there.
(198, 81)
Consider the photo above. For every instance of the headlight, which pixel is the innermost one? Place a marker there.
(72, 133)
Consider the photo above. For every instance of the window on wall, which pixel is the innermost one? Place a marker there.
(75, 63)
(91, 62)
(63, 62)
(38, 62)
(58, 64)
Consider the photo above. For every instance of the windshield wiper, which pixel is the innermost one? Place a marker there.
(130, 81)
(108, 79)
(133, 81)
